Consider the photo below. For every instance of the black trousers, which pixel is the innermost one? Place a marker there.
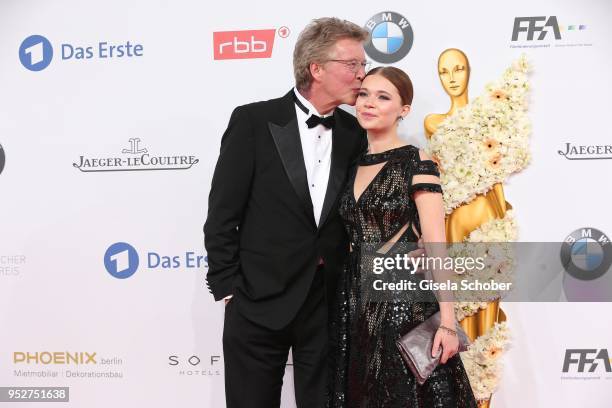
(255, 356)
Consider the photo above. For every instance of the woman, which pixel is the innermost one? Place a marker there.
(393, 195)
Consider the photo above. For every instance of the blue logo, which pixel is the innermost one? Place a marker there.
(391, 37)
(35, 53)
(586, 254)
(121, 260)
(387, 38)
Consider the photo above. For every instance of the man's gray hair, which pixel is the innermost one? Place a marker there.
(315, 43)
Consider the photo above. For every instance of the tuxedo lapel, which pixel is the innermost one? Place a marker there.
(287, 140)
(339, 167)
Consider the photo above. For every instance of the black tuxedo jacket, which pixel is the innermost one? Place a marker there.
(262, 241)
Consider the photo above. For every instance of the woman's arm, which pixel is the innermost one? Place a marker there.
(431, 215)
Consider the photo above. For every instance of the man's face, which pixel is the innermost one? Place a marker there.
(338, 80)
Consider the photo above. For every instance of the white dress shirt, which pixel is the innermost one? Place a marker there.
(317, 148)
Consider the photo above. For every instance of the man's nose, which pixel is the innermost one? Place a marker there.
(361, 73)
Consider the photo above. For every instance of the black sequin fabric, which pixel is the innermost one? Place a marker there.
(367, 370)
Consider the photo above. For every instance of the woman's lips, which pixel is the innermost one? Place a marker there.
(367, 115)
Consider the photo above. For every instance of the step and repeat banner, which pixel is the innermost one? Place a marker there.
(111, 115)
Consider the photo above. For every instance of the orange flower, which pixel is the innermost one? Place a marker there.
(495, 161)
(493, 352)
(491, 144)
(498, 94)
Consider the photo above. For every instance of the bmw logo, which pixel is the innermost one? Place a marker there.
(1, 159)
(391, 37)
(586, 254)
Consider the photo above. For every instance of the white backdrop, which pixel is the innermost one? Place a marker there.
(57, 221)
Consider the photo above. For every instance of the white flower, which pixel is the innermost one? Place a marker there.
(483, 366)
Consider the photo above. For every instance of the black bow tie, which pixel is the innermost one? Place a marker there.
(315, 120)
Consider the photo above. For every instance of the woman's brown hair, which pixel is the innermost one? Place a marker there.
(399, 79)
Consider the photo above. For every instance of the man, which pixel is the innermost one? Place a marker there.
(274, 239)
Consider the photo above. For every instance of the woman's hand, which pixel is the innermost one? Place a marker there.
(448, 342)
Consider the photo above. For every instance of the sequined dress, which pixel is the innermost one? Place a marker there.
(366, 367)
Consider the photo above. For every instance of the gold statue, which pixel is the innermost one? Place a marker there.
(454, 72)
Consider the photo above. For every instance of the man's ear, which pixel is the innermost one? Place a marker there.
(316, 70)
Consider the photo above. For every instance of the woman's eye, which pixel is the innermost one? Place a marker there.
(362, 93)
(384, 97)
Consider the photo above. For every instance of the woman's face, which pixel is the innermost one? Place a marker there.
(454, 72)
(379, 104)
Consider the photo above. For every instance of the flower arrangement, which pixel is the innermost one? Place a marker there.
(482, 360)
(480, 145)
(486, 141)
(489, 241)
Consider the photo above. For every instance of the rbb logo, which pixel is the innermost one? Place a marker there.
(581, 357)
(243, 44)
(531, 25)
